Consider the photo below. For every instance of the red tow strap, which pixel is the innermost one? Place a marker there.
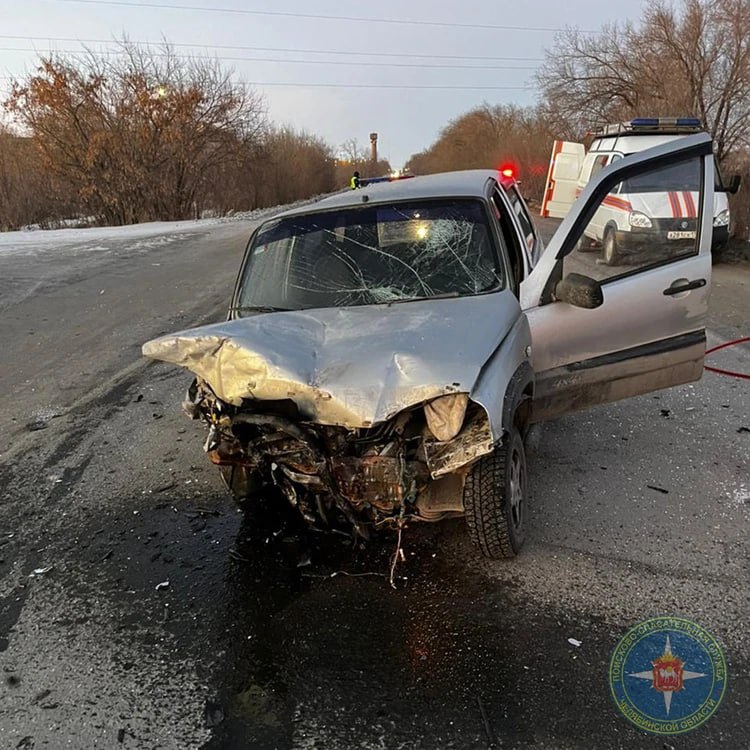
(727, 344)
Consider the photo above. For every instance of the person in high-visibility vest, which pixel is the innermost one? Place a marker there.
(354, 182)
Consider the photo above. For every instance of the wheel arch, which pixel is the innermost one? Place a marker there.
(610, 226)
(519, 396)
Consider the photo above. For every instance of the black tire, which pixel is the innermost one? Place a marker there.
(495, 499)
(610, 254)
(718, 253)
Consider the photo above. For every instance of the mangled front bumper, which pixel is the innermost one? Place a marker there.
(394, 470)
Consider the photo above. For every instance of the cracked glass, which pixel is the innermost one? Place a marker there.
(370, 255)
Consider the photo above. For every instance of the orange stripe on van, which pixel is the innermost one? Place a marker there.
(674, 203)
(690, 205)
(614, 202)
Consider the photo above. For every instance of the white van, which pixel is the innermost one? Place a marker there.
(629, 218)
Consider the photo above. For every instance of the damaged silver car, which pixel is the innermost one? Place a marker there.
(387, 350)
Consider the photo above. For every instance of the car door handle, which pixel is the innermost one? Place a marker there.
(683, 285)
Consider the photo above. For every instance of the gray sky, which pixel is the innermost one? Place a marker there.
(407, 120)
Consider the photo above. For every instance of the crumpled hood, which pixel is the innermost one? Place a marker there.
(351, 366)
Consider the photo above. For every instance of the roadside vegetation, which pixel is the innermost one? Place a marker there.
(685, 59)
(144, 133)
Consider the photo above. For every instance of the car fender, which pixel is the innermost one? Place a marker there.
(505, 377)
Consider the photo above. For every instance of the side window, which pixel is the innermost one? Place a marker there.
(587, 166)
(524, 219)
(616, 157)
(599, 163)
(510, 239)
(650, 219)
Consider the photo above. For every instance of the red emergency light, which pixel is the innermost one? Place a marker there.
(508, 171)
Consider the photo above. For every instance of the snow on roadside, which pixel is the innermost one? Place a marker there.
(96, 239)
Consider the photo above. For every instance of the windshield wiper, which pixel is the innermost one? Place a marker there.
(259, 308)
(446, 295)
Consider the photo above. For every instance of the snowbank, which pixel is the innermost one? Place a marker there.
(140, 236)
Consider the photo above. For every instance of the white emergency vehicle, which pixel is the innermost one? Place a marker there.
(642, 213)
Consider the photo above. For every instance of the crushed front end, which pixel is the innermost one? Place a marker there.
(408, 467)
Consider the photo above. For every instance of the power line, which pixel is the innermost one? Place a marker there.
(230, 58)
(274, 49)
(369, 86)
(320, 17)
(389, 86)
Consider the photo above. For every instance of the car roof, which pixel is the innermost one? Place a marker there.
(464, 184)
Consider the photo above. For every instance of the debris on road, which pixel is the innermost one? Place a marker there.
(491, 739)
(162, 585)
(744, 429)
(36, 425)
(41, 571)
(574, 642)
(237, 556)
(658, 489)
(41, 696)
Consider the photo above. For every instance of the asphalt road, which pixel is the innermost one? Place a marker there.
(165, 621)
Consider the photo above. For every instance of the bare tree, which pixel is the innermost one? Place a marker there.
(294, 165)
(29, 194)
(694, 61)
(353, 152)
(137, 134)
(488, 137)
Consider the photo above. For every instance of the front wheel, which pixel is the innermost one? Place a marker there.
(495, 498)
(611, 256)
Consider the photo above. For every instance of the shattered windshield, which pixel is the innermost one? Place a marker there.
(370, 255)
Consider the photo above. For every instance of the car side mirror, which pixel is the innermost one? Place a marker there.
(580, 291)
(734, 184)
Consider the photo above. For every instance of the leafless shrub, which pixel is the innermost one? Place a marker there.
(488, 137)
(29, 194)
(691, 61)
(137, 135)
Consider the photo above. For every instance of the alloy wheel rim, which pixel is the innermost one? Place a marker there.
(516, 488)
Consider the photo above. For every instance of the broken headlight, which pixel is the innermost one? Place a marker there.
(445, 415)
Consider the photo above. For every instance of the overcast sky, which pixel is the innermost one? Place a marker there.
(406, 119)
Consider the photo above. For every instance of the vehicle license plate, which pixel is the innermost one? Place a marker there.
(680, 235)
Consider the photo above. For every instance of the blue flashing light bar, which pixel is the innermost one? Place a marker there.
(655, 122)
(665, 125)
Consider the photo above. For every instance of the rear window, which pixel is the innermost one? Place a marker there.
(685, 175)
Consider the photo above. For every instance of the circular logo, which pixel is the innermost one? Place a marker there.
(668, 675)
